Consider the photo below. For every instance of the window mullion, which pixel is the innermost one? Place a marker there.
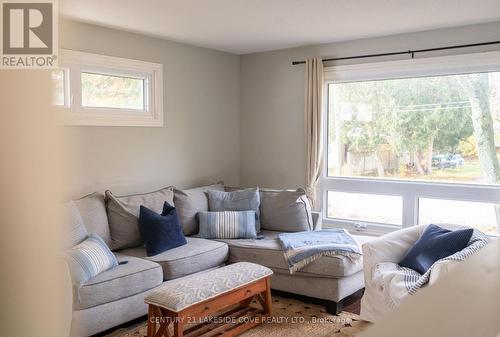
(410, 209)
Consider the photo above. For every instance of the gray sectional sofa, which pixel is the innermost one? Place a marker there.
(117, 296)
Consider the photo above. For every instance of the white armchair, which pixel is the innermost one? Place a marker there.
(380, 257)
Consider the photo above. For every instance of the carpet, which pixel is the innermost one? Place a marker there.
(291, 318)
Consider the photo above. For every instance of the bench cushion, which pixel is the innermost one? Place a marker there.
(195, 256)
(268, 252)
(122, 281)
(180, 294)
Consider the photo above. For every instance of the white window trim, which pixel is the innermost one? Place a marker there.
(410, 191)
(76, 62)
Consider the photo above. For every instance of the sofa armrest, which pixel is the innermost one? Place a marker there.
(67, 293)
(317, 221)
(441, 268)
(391, 247)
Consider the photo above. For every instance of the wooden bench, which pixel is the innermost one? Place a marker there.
(193, 301)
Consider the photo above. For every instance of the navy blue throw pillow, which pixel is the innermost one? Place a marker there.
(160, 232)
(435, 243)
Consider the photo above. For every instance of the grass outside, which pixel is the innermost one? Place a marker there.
(470, 172)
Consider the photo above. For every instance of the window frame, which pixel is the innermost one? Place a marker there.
(409, 190)
(74, 63)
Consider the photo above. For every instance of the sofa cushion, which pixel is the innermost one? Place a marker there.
(123, 215)
(285, 211)
(243, 200)
(93, 211)
(74, 230)
(197, 255)
(134, 277)
(268, 252)
(190, 202)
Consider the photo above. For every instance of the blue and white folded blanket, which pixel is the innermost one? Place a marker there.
(302, 248)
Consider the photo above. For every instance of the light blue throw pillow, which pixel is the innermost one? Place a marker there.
(227, 225)
(240, 200)
(88, 259)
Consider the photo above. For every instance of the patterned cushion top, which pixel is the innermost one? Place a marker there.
(179, 294)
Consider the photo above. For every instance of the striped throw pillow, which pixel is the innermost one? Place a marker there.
(227, 225)
(88, 259)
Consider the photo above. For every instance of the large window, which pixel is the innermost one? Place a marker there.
(95, 89)
(426, 128)
(417, 139)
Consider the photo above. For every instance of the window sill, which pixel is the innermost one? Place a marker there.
(372, 229)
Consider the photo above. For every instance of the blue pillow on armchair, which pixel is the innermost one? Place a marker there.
(160, 232)
(435, 243)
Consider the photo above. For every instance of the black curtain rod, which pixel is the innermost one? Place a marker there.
(409, 52)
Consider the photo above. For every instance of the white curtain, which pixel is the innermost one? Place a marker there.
(313, 127)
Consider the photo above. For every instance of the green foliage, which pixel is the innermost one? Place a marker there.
(112, 91)
(362, 136)
(408, 114)
(468, 148)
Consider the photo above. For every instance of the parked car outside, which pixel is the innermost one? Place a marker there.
(442, 161)
(457, 161)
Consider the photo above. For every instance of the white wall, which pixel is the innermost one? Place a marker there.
(200, 140)
(227, 117)
(272, 97)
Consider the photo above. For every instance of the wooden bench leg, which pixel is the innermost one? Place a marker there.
(268, 301)
(178, 326)
(151, 321)
(156, 318)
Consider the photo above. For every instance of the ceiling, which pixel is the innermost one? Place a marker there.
(247, 26)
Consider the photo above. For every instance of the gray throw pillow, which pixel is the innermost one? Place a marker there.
(189, 203)
(74, 230)
(285, 211)
(241, 200)
(92, 208)
(123, 215)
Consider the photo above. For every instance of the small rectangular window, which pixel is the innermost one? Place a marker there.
(479, 215)
(384, 209)
(108, 91)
